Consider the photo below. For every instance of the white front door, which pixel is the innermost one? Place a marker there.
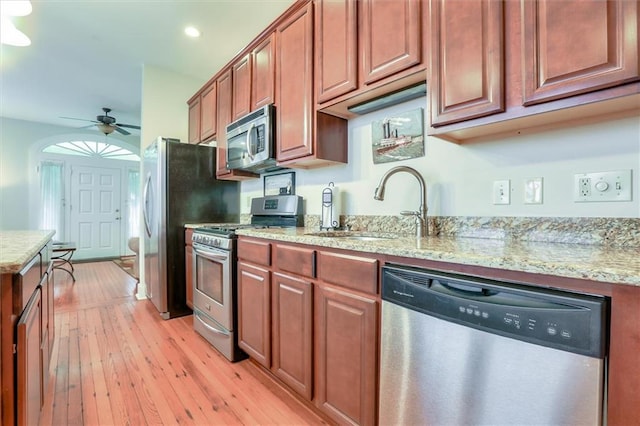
(95, 212)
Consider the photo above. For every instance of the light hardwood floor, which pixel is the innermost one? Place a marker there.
(116, 362)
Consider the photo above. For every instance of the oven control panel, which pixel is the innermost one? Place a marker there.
(209, 240)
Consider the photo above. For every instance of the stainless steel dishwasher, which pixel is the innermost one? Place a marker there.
(457, 350)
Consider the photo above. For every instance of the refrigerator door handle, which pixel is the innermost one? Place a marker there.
(146, 205)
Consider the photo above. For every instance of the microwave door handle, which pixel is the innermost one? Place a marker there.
(248, 142)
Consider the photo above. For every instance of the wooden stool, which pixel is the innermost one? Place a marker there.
(61, 256)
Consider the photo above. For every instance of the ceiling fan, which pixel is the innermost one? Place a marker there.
(107, 123)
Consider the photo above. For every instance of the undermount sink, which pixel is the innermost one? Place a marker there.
(350, 236)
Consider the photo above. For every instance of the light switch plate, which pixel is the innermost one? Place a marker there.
(602, 186)
(502, 192)
(533, 191)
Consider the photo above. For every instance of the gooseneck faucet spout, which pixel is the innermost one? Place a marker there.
(422, 228)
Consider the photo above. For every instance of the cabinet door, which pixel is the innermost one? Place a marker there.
(224, 118)
(241, 87)
(194, 121)
(346, 355)
(390, 37)
(254, 312)
(292, 307)
(29, 360)
(577, 46)
(295, 85)
(263, 73)
(208, 112)
(467, 48)
(336, 32)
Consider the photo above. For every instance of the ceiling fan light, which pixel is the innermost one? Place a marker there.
(105, 128)
(15, 7)
(12, 36)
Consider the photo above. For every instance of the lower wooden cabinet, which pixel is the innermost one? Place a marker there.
(254, 312)
(292, 334)
(29, 362)
(311, 317)
(346, 347)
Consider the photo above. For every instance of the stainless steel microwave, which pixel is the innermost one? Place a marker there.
(251, 141)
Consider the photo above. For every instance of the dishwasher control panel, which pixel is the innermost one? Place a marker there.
(562, 320)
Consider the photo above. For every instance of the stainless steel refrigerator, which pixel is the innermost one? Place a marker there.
(180, 187)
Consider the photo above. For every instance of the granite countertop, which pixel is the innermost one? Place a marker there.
(18, 247)
(590, 262)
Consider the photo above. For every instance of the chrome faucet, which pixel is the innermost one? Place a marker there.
(422, 228)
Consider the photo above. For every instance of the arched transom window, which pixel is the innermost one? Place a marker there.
(92, 149)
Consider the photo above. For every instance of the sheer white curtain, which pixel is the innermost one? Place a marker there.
(52, 197)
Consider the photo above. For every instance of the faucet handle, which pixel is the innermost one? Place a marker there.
(409, 213)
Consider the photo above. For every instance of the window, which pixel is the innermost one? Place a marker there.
(92, 149)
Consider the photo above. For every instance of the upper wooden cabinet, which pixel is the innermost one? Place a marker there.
(263, 72)
(576, 46)
(390, 37)
(208, 112)
(241, 87)
(304, 137)
(194, 120)
(224, 118)
(467, 48)
(203, 111)
(336, 40)
(364, 46)
(498, 67)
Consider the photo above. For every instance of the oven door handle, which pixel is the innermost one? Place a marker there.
(210, 327)
(209, 255)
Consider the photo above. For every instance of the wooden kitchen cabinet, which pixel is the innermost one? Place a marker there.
(292, 341)
(336, 44)
(346, 346)
(390, 37)
(263, 72)
(574, 46)
(188, 263)
(254, 312)
(209, 112)
(241, 99)
(305, 138)
(555, 61)
(194, 119)
(467, 47)
(29, 362)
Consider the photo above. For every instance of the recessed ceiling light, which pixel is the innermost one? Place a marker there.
(15, 7)
(192, 32)
(9, 34)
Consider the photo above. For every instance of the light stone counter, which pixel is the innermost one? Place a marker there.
(590, 262)
(18, 247)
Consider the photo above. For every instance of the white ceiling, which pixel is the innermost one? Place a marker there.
(88, 54)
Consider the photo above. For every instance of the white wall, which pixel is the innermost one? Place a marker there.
(460, 177)
(164, 104)
(20, 142)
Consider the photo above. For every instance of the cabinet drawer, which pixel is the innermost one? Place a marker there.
(254, 251)
(354, 272)
(295, 259)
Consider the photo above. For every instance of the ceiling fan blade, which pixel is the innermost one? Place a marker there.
(80, 119)
(121, 131)
(130, 126)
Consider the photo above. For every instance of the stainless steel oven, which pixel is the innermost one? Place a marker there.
(214, 270)
(214, 291)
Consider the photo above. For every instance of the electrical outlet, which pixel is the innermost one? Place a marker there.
(502, 192)
(603, 186)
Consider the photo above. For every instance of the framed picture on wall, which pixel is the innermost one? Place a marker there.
(398, 137)
(280, 184)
